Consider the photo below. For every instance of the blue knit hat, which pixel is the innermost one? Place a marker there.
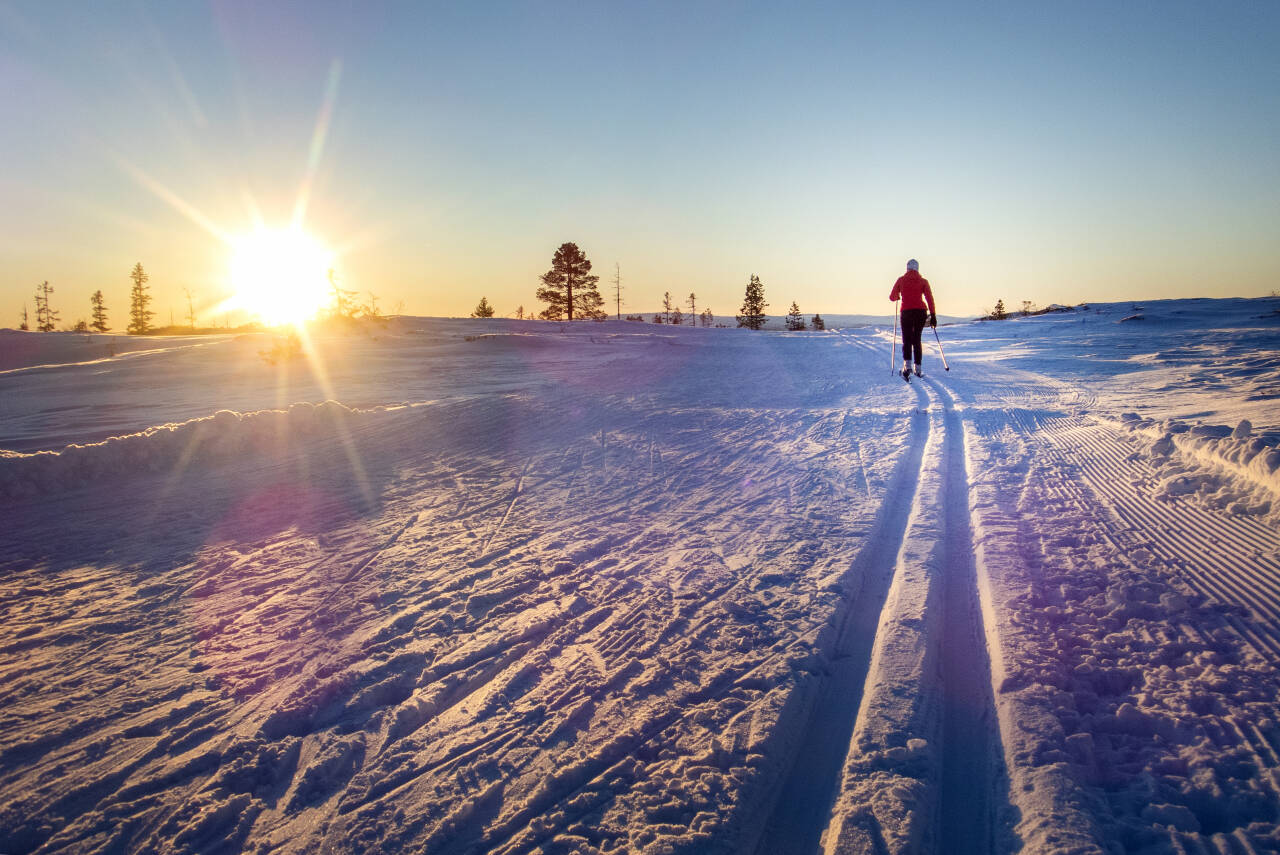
(913, 265)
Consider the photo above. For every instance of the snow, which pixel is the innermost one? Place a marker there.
(490, 585)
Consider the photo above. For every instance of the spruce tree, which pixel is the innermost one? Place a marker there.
(998, 314)
(24, 326)
(818, 323)
(677, 316)
(753, 305)
(707, 318)
(46, 317)
(139, 315)
(568, 287)
(794, 320)
(99, 313)
(483, 309)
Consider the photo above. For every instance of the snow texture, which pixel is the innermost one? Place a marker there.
(468, 586)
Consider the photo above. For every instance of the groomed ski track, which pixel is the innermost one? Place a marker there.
(901, 749)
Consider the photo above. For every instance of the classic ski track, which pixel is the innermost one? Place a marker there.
(802, 806)
(974, 802)
(924, 764)
(1229, 559)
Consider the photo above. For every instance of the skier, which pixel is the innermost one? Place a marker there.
(914, 291)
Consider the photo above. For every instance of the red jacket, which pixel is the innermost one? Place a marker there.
(911, 286)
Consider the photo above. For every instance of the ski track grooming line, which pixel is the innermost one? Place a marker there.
(802, 805)
(924, 770)
(1232, 560)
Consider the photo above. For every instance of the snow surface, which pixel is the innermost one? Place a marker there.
(501, 586)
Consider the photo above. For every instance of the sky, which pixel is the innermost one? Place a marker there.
(1050, 152)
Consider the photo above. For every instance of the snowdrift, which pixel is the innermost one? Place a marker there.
(226, 435)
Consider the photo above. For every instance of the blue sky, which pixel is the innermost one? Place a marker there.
(1044, 152)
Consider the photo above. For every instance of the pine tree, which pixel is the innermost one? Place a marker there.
(568, 287)
(24, 326)
(139, 315)
(998, 314)
(666, 307)
(99, 313)
(794, 320)
(483, 309)
(46, 317)
(707, 318)
(677, 316)
(818, 323)
(693, 309)
(753, 305)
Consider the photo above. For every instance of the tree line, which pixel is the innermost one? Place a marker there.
(570, 291)
(140, 313)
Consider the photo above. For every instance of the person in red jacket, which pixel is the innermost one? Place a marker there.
(914, 291)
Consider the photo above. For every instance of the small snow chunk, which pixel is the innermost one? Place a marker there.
(1178, 817)
(1244, 430)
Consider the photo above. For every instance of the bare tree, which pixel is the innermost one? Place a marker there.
(191, 309)
(617, 289)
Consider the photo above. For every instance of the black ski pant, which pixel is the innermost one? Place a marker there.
(913, 321)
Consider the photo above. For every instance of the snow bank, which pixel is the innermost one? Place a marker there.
(220, 437)
(1220, 466)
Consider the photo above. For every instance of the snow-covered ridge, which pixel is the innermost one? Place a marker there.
(223, 435)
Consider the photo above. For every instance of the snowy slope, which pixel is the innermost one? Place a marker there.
(529, 587)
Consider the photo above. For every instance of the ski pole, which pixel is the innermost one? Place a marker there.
(941, 352)
(894, 348)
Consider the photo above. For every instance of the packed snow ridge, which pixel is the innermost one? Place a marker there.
(463, 586)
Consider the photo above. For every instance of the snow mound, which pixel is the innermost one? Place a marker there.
(1218, 465)
(219, 437)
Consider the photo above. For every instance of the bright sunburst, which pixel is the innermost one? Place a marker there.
(282, 276)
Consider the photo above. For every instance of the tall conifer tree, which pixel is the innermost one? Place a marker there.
(99, 313)
(139, 315)
(753, 305)
(568, 287)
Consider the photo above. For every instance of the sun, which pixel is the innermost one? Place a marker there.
(281, 276)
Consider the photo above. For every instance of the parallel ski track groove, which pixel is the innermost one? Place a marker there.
(808, 788)
(1225, 558)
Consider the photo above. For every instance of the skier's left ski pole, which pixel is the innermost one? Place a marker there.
(941, 352)
(894, 348)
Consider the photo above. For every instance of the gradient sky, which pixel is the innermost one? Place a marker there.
(1052, 152)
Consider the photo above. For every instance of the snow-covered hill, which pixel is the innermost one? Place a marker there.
(501, 586)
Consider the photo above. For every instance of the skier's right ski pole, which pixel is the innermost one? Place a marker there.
(893, 350)
(941, 352)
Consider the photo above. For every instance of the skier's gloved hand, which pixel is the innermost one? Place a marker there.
(933, 320)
